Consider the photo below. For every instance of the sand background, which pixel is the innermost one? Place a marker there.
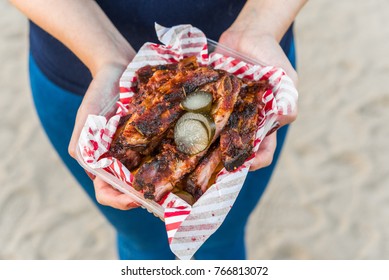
(328, 199)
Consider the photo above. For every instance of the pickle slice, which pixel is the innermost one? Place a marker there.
(198, 102)
(191, 136)
(206, 119)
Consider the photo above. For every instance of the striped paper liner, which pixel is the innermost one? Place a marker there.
(188, 227)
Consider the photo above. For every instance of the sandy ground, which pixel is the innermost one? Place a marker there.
(329, 197)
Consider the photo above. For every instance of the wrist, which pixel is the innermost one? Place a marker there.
(239, 40)
(116, 57)
(261, 18)
(267, 17)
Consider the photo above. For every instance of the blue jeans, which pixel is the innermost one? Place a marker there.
(140, 235)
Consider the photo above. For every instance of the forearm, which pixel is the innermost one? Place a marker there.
(83, 27)
(267, 17)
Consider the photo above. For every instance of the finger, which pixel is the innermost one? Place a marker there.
(265, 153)
(108, 196)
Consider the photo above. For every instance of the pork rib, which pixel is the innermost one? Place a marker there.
(237, 138)
(163, 172)
(197, 182)
(156, 107)
(158, 112)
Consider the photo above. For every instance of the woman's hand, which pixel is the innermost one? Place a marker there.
(103, 88)
(266, 50)
(256, 33)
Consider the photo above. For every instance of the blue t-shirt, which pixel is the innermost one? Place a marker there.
(135, 20)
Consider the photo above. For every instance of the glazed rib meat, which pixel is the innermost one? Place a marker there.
(150, 78)
(197, 182)
(237, 138)
(158, 176)
(121, 151)
(163, 172)
(159, 110)
(145, 139)
(156, 107)
(225, 94)
(164, 108)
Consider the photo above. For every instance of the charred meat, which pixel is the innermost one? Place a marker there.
(197, 181)
(159, 176)
(237, 138)
(218, 110)
(156, 107)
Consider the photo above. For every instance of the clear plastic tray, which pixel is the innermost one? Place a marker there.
(109, 108)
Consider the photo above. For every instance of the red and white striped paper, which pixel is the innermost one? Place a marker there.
(188, 227)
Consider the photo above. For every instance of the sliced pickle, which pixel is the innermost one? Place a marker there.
(198, 102)
(191, 136)
(206, 119)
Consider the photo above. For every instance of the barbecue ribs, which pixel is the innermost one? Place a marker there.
(237, 138)
(164, 171)
(144, 140)
(156, 107)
